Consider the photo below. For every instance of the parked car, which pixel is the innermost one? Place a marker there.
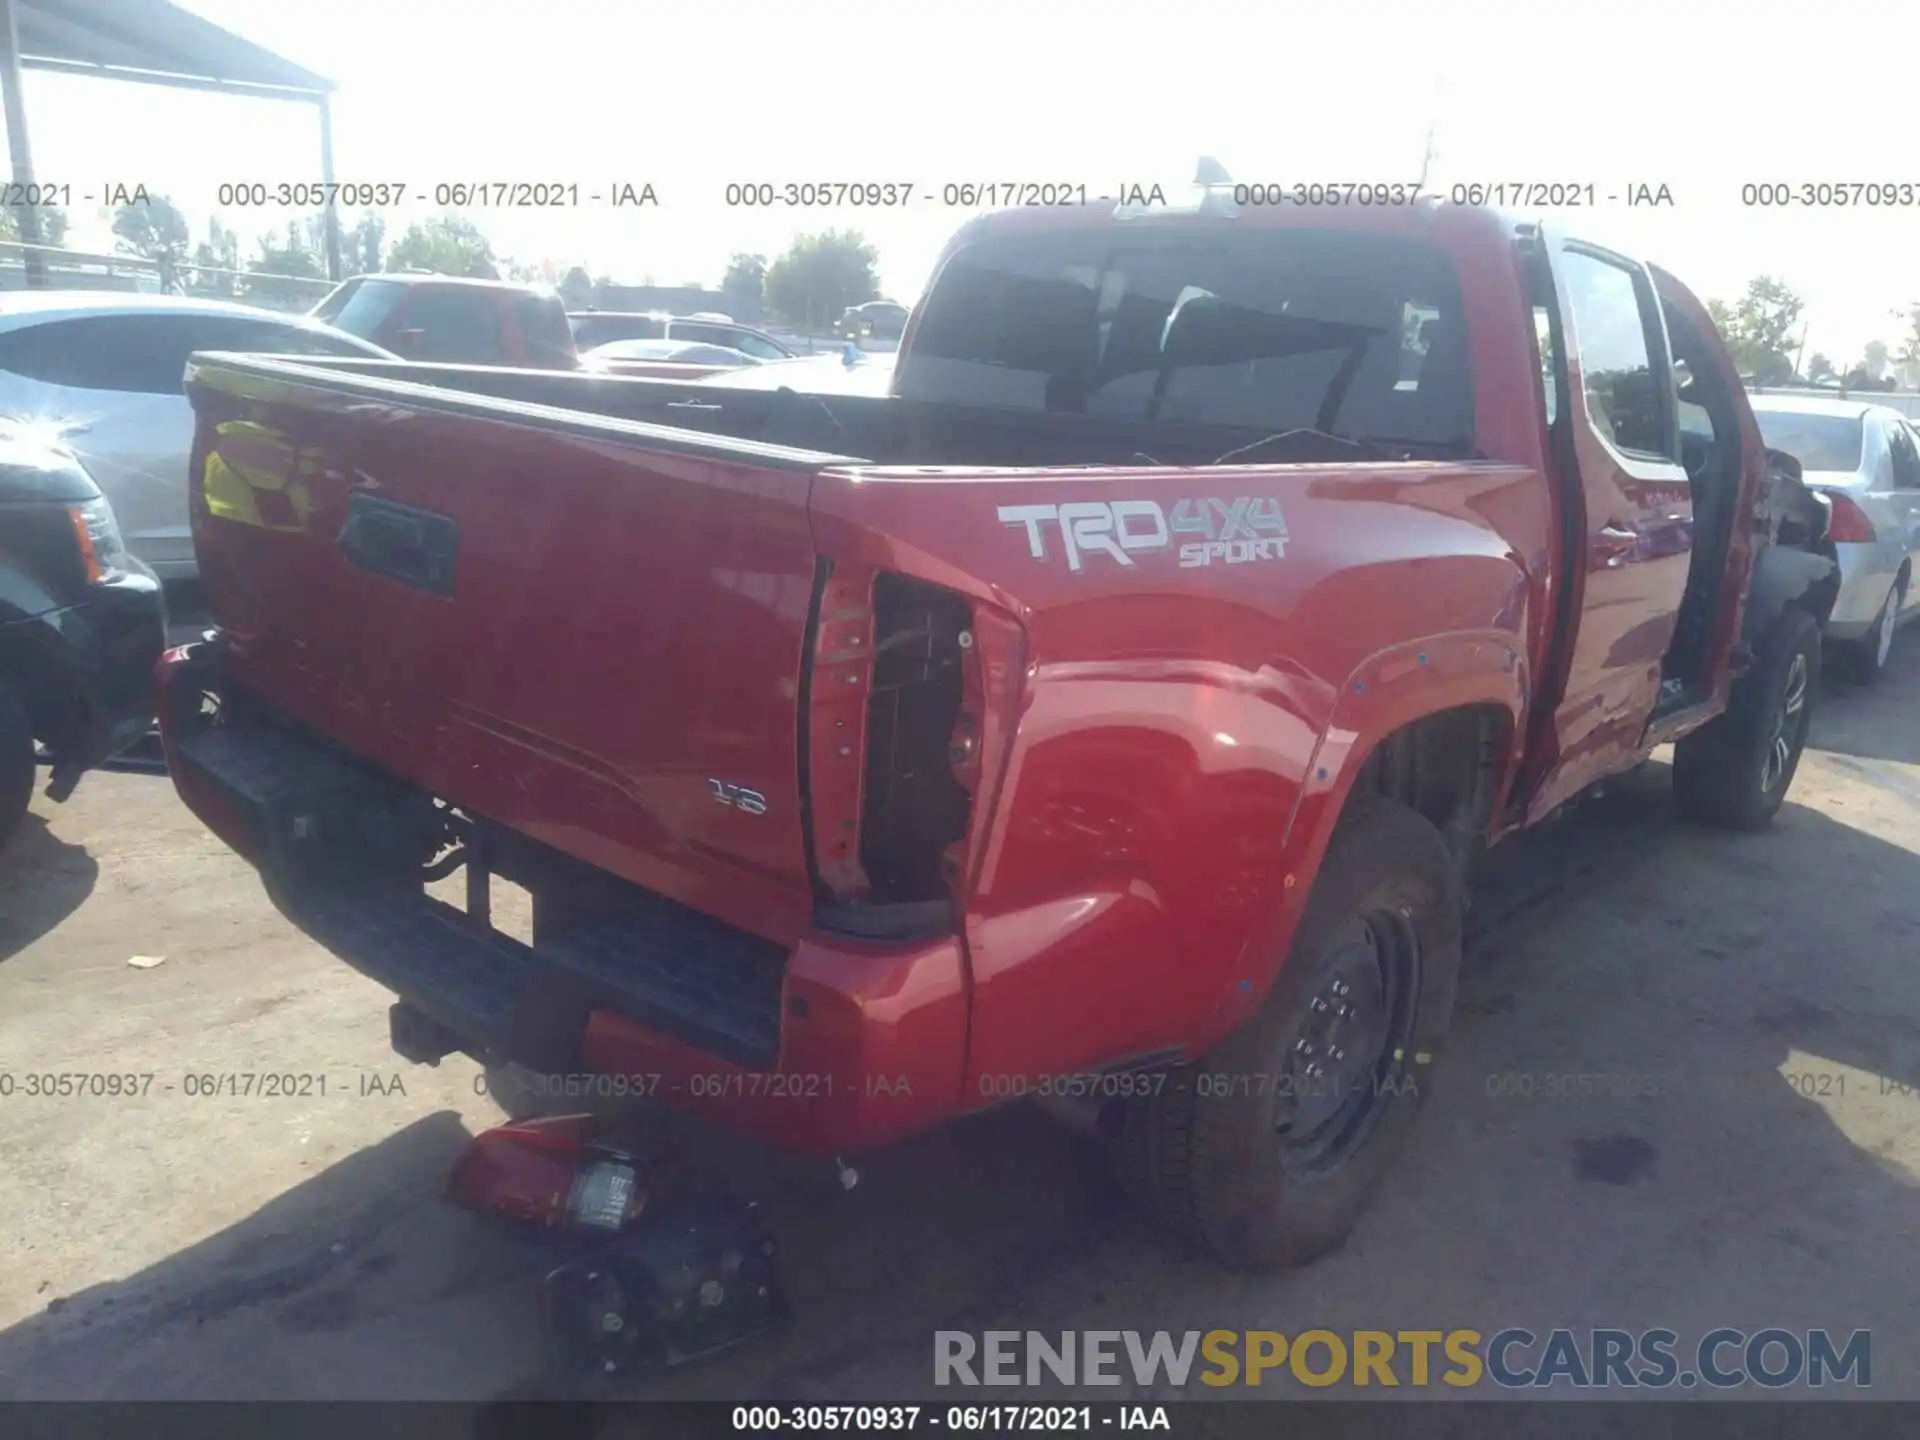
(107, 369)
(1125, 696)
(593, 328)
(1865, 459)
(618, 353)
(451, 320)
(81, 623)
(824, 374)
(877, 320)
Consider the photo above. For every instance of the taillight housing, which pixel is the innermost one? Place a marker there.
(552, 1172)
(96, 536)
(1850, 524)
(897, 726)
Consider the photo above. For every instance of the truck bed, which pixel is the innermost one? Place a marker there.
(863, 429)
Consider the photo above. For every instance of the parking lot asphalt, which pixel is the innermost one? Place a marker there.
(181, 1245)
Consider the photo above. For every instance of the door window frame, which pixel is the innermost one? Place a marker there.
(1899, 436)
(1639, 464)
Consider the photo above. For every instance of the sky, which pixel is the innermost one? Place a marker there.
(1702, 99)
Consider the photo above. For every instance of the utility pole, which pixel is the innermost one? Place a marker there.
(1426, 161)
(1801, 354)
(26, 214)
(331, 214)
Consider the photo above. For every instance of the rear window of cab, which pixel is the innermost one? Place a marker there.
(1360, 335)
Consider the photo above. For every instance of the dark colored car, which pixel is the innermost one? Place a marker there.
(81, 625)
(594, 328)
(451, 320)
(647, 355)
(875, 320)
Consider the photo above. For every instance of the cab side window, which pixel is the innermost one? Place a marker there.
(1626, 381)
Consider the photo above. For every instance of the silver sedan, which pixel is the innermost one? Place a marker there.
(101, 372)
(1866, 459)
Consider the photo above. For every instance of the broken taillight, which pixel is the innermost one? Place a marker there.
(839, 680)
(920, 739)
(551, 1172)
(897, 738)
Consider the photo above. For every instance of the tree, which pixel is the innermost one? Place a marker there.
(1819, 368)
(155, 229)
(745, 285)
(1909, 352)
(821, 275)
(1861, 377)
(219, 251)
(1874, 359)
(1759, 328)
(576, 288)
(446, 245)
(299, 258)
(53, 223)
(362, 249)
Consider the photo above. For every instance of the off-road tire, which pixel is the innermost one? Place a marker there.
(1865, 656)
(17, 762)
(1721, 772)
(1202, 1157)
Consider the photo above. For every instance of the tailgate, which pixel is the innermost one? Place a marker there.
(584, 628)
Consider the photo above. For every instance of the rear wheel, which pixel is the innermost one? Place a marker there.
(1266, 1152)
(1870, 652)
(1734, 772)
(17, 762)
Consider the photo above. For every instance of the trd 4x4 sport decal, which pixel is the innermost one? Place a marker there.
(1237, 531)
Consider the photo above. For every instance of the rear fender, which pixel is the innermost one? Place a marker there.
(1387, 692)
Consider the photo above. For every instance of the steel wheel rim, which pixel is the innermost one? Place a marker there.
(1786, 725)
(1884, 641)
(1344, 1061)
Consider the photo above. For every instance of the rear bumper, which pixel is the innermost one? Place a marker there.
(101, 653)
(1867, 573)
(831, 1046)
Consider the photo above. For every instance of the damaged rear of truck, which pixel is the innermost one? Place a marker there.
(1110, 713)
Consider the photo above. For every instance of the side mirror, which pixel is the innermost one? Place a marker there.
(1779, 462)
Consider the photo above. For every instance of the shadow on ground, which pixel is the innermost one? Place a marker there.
(43, 880)
(1736, 970)
(1873, 722)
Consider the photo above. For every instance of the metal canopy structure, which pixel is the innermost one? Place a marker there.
(146, 42)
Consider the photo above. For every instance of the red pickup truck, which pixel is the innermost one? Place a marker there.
(1111, 712)
(454, 320)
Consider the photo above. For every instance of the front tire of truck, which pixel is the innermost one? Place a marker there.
(1266, 1152)
(1734, 772)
